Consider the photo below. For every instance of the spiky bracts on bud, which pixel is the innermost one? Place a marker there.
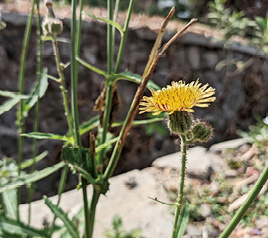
(202, 131)
(179, 122)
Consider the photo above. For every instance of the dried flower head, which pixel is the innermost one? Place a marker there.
(178, 97)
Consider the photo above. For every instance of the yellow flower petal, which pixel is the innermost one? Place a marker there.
(178, 96)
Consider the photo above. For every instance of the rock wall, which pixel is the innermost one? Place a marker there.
(193, 56)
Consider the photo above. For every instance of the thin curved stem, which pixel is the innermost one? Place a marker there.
(123, 39)
(62, 83)
(92, 211)
(36, 109)
(20, 117)
(250, 199)
(74, 75)
(180, 197)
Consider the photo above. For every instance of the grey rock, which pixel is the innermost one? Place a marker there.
(231, 173)
(193, 231)
(132, 204)
(199, 162)
(205, 210)
(231, 144)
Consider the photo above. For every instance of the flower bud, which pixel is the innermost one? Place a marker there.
(202, 131)
(52, 26)
(179, 122)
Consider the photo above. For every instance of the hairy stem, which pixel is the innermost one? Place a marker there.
(62, 84)
(180, 197)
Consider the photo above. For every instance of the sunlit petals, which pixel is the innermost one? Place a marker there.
(178, 96)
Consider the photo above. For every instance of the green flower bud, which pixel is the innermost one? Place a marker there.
(52, 26)
(179, 122)
(202, 131)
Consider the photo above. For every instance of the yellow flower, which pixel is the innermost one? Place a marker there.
(178, 97)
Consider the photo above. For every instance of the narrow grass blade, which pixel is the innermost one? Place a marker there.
(136, 79)
(9, 94)
(14, 227)
(30, 162)
(8, 104)
(37, 92)
(89, 125)
(183, 220)
(30, 178)
(91, 67)
(9, 199)
(72, 229)
(59, 39)
(50, 136)
(116, 25)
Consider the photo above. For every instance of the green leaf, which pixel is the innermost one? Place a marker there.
(9, 94)
(78, 157)
(53, 78)
(49, 136)
(64, 217)
(183, 220)
(106, 144)
(38, 91)
(31, 178)
(136, 79)
(8, 104)
(10, 203)
(15, 227)
(116, 25)
(91, 67)
(59, 39)
(89, 125)
(30, 162)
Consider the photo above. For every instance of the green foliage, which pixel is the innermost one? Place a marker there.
(119, 232)
(260, 35)
(72, 229)
(14, 228)
(183, 220)
(228, 20)
(50, 136)
(24, 179)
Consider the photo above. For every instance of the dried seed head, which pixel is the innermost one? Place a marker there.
(49, 3)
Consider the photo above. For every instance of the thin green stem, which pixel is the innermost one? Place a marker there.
(62, 84)
(123, 39)
(250, 199)
(92, 213)
(36, 110)
(106, 116)
(20, 117)
(110, 39)
(78, 38)
(75, 44)
(108, 84)
(62, 184)
(180, 198)
(86, 212)
(74, 75)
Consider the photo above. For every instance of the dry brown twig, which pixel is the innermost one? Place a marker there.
(156, 52)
